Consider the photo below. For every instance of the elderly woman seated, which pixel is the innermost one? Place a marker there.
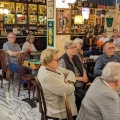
(56, 80)
(102, 101)
(28, 46)
(70, 61)
(79, 44)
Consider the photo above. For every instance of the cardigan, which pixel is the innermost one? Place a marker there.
(77, 67)
(53, 84)
(100, 103)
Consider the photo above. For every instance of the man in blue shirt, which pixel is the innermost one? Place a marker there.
(107, 56)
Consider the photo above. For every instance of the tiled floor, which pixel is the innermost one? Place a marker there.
(12, 107)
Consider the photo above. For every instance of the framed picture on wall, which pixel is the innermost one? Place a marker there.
(50, 12)
(92, 18)
(91, 24)
(63, 20)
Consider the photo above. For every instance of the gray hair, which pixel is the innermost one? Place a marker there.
(47, 55)
(68, 43)
(111, 72)
(28, 37)
(78, 41)
(11, 33)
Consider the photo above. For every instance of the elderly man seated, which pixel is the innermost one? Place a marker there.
(13, 49)
(102, 101)
(107, 56)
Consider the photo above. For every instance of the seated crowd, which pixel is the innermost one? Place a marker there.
(66, 73)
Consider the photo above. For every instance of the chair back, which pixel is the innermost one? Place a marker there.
(21, 57)
(89, 67)
(42, 104)
(4, 58)
(68, 109)
(21, 44)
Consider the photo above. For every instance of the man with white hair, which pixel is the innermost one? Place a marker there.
(107, 56)
(102, 101)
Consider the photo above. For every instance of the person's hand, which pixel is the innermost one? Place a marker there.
(81, 51)
(85, 78)
(67, 82)
(65, 74)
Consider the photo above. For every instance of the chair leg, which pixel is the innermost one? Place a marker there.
(1, 81)
(33, 92)
(20, 81)
(29, 85)
(12, 76)
(9, 78)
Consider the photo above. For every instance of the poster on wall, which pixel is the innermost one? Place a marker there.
(50, 33)
(63, 21)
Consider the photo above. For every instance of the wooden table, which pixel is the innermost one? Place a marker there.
(32, 64)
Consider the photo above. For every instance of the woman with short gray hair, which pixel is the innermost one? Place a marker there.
(79, 44)
(70, 61)
(56, 80)
(28, 46)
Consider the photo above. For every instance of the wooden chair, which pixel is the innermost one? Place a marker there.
(4, 58)
(68, 109)
(89, 67)
(42, 104)
(21, 44)
(23, 72)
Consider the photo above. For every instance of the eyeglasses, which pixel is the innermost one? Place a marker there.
(32, 38)
(72, 48)
(11, 37)
(111, 48)
(56, 60)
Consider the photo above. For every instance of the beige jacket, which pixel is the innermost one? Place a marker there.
(53, 84)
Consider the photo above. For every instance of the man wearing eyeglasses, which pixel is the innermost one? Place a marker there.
(107, 56)
(13, 49)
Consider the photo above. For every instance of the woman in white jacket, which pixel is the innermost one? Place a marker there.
(55, 81)
(28, 46)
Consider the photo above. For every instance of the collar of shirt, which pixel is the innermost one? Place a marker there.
(107, 56)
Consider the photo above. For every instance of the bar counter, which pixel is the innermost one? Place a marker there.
(40, 41)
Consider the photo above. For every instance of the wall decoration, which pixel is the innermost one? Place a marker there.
(63, 20)
(91, 24)
(93, 5)
(79, 4)
(50, 33)
(92, 11)
(98, 21)
(109, 21)
(98, 12)
(50, 12)
(85, 4)
(92, 18)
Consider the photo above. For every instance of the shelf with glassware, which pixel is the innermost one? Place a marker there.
(28, 17)
(79, 24)
(37, 22)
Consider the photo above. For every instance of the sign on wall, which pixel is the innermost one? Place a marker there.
(50, 33)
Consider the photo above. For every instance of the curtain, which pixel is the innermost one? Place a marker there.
(104, 2)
